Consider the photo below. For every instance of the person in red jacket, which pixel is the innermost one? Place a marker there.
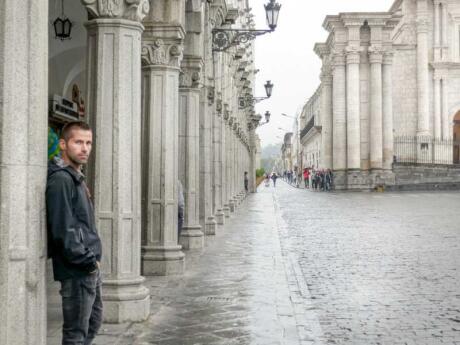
(306, 176)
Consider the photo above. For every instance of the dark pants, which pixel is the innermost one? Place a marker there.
(81, 308)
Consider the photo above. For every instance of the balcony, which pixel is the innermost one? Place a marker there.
(310, 124)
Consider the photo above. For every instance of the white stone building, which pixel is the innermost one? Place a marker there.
(163, 107)
(388, 92)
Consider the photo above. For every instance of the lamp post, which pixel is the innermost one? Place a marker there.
(249, 100)
(222, 39)
(267, 118)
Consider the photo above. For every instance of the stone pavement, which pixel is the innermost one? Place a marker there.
(239, 290)
(381, 268)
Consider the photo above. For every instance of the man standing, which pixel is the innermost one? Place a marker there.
(73, 242)
(246, 182)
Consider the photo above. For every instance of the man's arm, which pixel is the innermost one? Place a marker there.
(63, 225)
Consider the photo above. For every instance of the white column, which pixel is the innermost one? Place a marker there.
(445, 28)
(437, 31)
(388, 139)
(339, 114)
(217, 143)
(422, 69)
(189, 173)
(161, 254)
(114, 47)
(376, 116)
(446, 121)
(353, 110)
(225, 184)
(23, 142)
(437, 106)
(326, 120)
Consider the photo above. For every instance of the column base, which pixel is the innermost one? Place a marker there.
(162, 261)
(226, 210)
(220, 217)
(363, 179)
(231, 205)
(191, 237)
(125, 300)
(210, 226)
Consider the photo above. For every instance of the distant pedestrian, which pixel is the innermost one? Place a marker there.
(274, 178)
(246, 181)
(180, 208)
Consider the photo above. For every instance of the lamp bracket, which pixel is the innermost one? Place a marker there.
(223, 39)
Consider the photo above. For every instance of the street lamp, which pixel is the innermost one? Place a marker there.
(247, 101)
(267, 118)
(222, 39)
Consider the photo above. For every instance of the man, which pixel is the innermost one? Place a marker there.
(73, 242)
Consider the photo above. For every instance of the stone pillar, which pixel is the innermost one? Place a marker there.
(376, 130)
(437, 106)
(326, 119)
(252, 157)
(189, 174)
(217, 143)
(114, 70)
(422, 69)
(339, 159)
(225, 141)
(437, 31)
(161, 254)
(353, 109)
(388, 140)
(445, 28)
(23, 140)
(446, 121)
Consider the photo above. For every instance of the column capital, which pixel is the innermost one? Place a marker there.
(353, 54)
(422, 25)
(134, 10)
(375, 54)
(157, 53)
(190, 74)
(338, 58)
(388, 58)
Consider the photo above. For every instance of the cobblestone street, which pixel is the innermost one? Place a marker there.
(301, 267)
(381, 268)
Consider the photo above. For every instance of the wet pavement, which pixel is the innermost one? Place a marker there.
(294, 266)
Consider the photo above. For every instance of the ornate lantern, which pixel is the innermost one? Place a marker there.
(62, 25)
(272, 10)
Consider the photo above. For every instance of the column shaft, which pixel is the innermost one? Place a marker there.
(189, 108)
(376, 130)
(339, 115)
(326, 121)
(23, 140)
(446, 121)
(422, 70)
(116, 121)
(161, 254)
(437, 108)
(388, 139)
(353, 112)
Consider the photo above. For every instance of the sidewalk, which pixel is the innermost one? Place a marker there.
(239, 290)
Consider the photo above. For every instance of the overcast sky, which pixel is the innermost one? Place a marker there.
(286, 56)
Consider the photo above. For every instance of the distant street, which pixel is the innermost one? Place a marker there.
(380, 268)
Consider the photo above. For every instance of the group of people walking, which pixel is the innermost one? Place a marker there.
(320, 179)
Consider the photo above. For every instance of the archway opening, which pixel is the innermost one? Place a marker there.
(456, 138)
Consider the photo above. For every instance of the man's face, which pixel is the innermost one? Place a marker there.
(76, 150)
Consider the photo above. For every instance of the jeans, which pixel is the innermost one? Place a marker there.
(81, 309)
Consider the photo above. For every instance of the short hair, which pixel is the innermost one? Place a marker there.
(68, 127)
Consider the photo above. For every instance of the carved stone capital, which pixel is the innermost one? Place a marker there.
(189, 77)
(376, 54)
(388, 58)
(157, 53)
(353, 54)
(338, 58)
(134, 10)
(211, 94)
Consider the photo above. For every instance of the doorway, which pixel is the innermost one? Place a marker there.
(456, 138)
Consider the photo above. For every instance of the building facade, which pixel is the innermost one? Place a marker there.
(388, 92)
(163, 106)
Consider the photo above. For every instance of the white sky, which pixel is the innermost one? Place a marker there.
(286, 56)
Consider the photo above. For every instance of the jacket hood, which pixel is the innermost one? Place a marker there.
(57, 164)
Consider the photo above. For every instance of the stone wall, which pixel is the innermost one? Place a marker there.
(426, 177)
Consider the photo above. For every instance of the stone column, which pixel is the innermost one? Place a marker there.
(23, 158)
(445, 28)
(217, 143)
(114, 103)
(446, 121)
(161, 254)
(339, 159)
(252, 157)
(388, 140)
(437, 106)
(353, 110)
(376, 116)
(189, 174)
(437, 31)
(225, 141)
(422, 69)
(326, 119)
